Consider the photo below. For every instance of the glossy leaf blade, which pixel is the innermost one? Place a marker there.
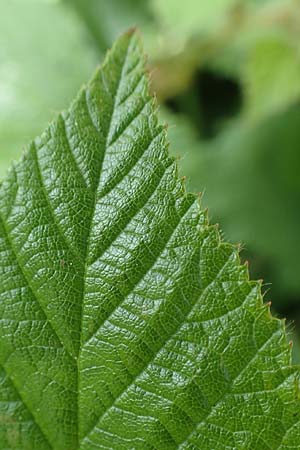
(126, 323)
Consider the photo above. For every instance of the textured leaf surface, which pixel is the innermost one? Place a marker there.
(125, 322)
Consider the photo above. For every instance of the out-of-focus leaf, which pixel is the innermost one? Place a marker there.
(184, 140)
(272, 76)
(105, 20)
(235, 41)
(182, 20)
(45, 55)
(183, 36)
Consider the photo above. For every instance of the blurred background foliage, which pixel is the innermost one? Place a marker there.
(227, 76)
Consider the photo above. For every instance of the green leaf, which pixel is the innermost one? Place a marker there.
(271, 76)
(225, 167)
(188, 18)
(106, 20)
(126, 323)
(46, 55)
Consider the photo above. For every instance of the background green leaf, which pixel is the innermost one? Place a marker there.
(46, 55)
